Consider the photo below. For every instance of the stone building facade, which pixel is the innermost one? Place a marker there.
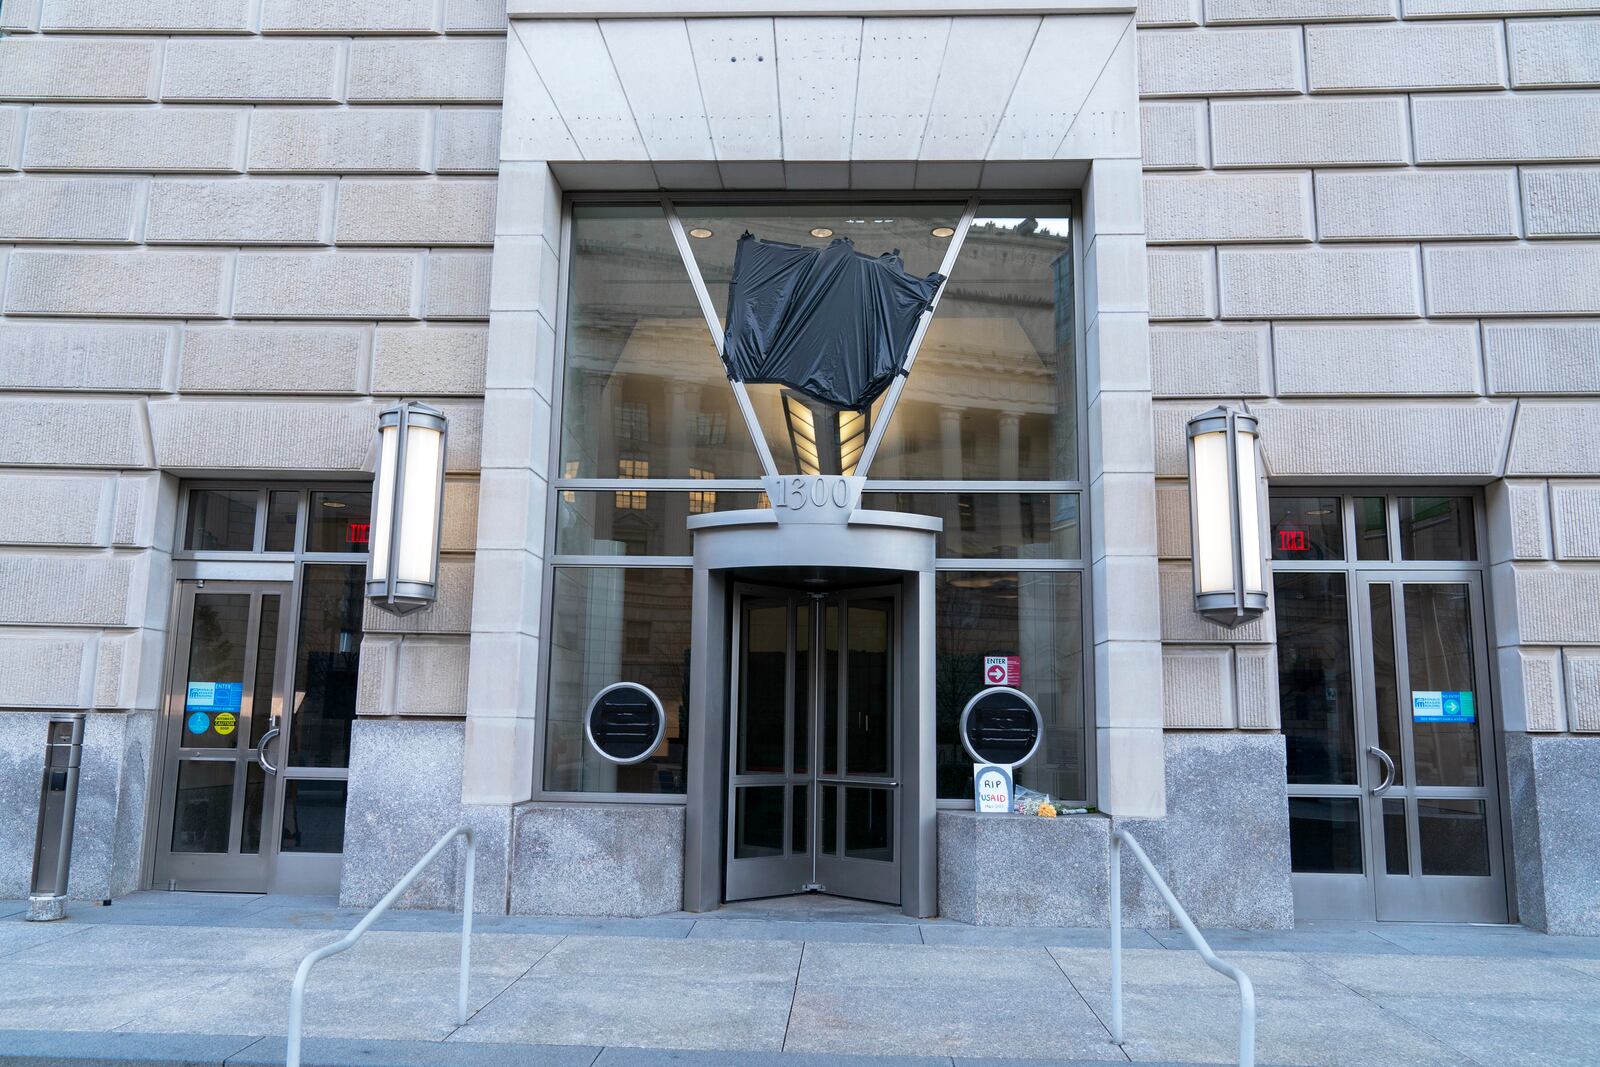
(231, 231)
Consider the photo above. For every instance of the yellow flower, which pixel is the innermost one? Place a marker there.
(1047, 811)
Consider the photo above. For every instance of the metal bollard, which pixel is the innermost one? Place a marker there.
(58, 804)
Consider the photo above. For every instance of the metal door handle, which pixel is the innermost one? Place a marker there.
(1388, 770)
(261, 746)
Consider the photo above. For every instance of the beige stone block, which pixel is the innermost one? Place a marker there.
(467, 141)
(1439, 55)
(1212, 209)
(1561, 201)
(45, 670)
(1170, 420)
(42, 68)
(451, 613)
(52, 509)
(1552, 53)
(266, 435)
(1555, 605)
(194, 139)
(328, 285)
(1210, 360)
(431, 361)
(1197, 683)
(349, 141)
(1531, 681)
(1542, 356)
(1181, 624)
(72, 433)
(1328, 132)
(253, 71)
(1183, 283)
(1172, 519)
(147, 16)
(11, 123)
(1519, 521)
(1321, 282)
(408, 212)
(1556, 438)
(1542, 279)
(1413, 204)
(1224, 11)
(59, 210)
(103, 357)
(464, 444)
(1174, 136)
(458, 285)
(1376, 359)
(448, 71)
(1168, 13)
(1575, 507)
(143, 510)
(1506, 127)
(274, 359)
(62, 590)
(1219, 62)
(19, 16)
(251, 211)
(349, 16)
(1255, 669)
(459, 529)
(133, 284)
(475, 16)
(1462, 439)
(431, 677)
(1583, 690)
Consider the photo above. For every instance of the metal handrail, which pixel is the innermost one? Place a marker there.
(297, 992)
(1247, 991)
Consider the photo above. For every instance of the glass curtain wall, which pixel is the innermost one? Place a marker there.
(985, 437)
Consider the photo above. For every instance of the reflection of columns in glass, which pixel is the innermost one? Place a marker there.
(605, 632)
(597, 390)
(1063, 426)
(674, 507)
(950, 467)
(1009, 462)
(1056, 766)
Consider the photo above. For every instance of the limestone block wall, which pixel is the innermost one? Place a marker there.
(1376, 223)
(230, 231)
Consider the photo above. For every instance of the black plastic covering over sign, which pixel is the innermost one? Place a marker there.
(1002, 727)
(831, 322)
(625, 723)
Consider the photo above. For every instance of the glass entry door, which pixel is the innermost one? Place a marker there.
(813, 783)
(256, 733)
(223, 719)
(1430, 803)
(1388, 720)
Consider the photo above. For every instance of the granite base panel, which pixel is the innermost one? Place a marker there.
(621, 860)
(108, 834)
(1223, 847)
(405, 794)
(1555, 791)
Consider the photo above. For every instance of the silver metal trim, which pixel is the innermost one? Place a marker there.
(655, 743)
(703, 295)
(1388, 770)
(1038, 722)
(261, 746)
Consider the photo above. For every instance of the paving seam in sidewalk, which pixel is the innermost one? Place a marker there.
(794, 994)
(1384, 1008)
(527, 971)
(1109, 1037)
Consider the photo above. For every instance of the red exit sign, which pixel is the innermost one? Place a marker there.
(357, 533)
(1293, 541)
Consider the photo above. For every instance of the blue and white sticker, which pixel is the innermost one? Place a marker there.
(1449, 705)
(199, 722)
(215, 696)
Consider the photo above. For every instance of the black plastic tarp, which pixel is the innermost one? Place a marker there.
(831, 322)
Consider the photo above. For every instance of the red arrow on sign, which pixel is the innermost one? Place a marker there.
(997, 674)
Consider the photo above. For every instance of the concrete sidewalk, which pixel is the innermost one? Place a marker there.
(811, 976)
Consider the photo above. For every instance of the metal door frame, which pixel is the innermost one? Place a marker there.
(1354, 896)
(879, 881)
(1418, 897)
(229, 871)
